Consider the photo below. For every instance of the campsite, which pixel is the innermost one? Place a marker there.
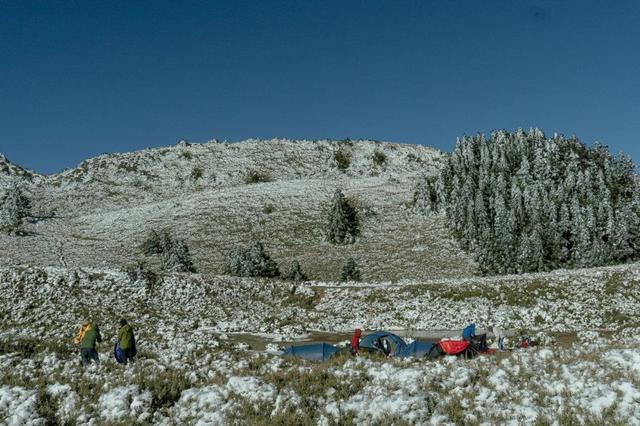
(319, 213)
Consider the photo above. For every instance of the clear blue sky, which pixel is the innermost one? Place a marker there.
(80, 78)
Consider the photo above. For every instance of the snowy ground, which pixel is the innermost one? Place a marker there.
(189, 371)
(596, 381)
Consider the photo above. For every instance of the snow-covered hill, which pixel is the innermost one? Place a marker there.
(218, 196)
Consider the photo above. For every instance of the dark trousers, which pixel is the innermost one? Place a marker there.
(127, 355)
(88, 354)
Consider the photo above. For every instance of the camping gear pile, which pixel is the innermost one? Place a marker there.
(388, 344)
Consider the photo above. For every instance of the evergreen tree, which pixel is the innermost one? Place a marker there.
(175, 253)
(426, 197)
(15, 208)
(296, 273)
(342, 224)
(524, 202)
(156, 242)
(350, 271)
(176, 258)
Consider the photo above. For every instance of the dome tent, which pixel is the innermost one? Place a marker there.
(312, 351)
(398, 347)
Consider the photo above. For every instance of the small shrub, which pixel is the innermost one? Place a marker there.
(257, 176)
(379, 158)
(140, 273)
(350, 271)
(165, 388)
(342, 158)
(47, 406)
(197, 172)
(413, 158)
(268, 209)
(301, 300)
(252, 261)
(186, 155)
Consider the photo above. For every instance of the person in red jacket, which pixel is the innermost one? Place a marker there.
(355, 341)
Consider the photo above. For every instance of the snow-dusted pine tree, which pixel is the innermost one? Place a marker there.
(426, 198)
(175, 252)
(342, 223)
(14, 209)
(524, 202)
(176, 258)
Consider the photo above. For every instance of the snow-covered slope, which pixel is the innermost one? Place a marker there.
(100, 212)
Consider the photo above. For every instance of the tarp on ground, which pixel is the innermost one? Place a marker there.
(454, 347)
(312, 351)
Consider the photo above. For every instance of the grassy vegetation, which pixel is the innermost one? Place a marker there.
(165, 386)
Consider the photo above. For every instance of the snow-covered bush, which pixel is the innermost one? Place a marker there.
(177, 257)
(252, 261)
(296, 273)
(257, 176)
(156, 242)
(379, 158)
(175, 252)
(342, 158)
(350, 271)
(140, 273)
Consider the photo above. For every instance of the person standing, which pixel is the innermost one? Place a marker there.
(88, 336)
(126, 340)
(355, 341)
(498, 334)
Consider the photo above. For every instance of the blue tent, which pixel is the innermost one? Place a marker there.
(374, 340)
(399, 348)
(312, 351)
(419, 350)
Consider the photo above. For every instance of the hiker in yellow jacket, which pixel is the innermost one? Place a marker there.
(87, 337)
